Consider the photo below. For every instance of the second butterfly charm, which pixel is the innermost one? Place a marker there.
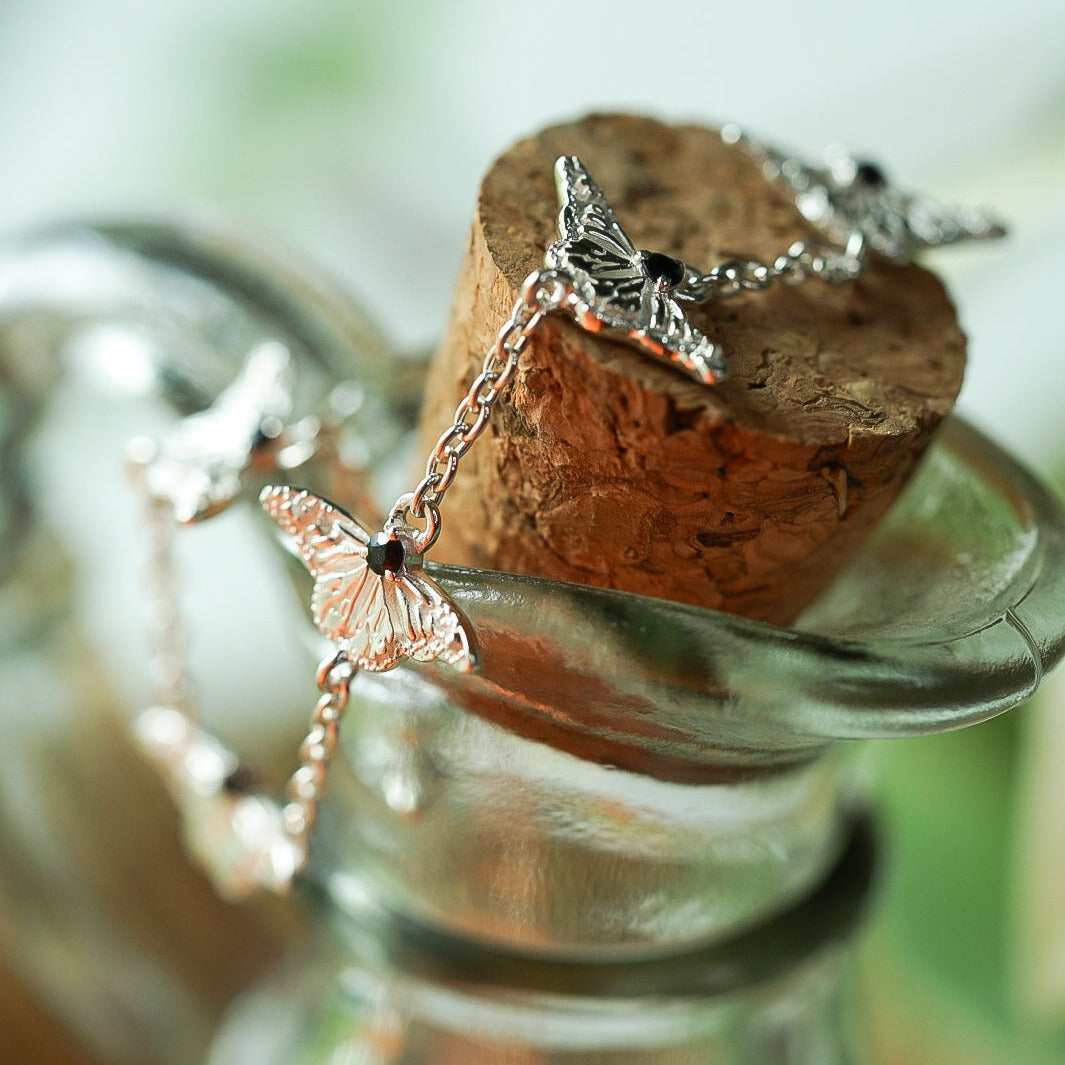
(371, 597)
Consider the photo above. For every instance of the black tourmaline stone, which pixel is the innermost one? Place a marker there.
(659, 267)
(384, 553)
(869, 175)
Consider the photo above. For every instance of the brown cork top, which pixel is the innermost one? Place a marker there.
(605, 467)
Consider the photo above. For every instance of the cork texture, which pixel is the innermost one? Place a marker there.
(603, 466)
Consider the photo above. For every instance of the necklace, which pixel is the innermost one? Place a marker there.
(371, 597)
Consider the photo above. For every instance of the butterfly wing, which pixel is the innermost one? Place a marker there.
(929, 223)
(261, 390)
(593, 252)
(614, 291)
(779, 167)
(821, 199)
(426, 623)
(374, 619)
(347, 602)
(201, 463)
(667, 333)
(897, 224)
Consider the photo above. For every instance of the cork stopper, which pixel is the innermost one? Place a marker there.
(603, 466)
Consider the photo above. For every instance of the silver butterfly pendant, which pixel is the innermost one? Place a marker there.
(850, 193)
(371, 597)
(238, 837)
(633, 294)
(200, 466)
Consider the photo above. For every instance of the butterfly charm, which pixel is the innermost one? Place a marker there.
(238, 838)
(199, 467)
(851, 194)
(631, 293)
(370, 596)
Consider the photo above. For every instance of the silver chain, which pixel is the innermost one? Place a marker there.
(168, 643)
(306, 787)
(541, 293)
(567, 280)
(802, 260)
(170, 673)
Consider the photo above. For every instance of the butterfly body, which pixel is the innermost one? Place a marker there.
(371, 599)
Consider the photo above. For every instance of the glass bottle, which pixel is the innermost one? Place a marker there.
(636, 835)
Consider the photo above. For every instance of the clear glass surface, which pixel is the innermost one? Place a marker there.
(626, 775)
(629, 782)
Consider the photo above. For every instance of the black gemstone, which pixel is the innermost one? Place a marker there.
(242, 781)
(384, 553)
(869, 175)
(659, 267)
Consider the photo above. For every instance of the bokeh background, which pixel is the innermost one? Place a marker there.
(357, 133)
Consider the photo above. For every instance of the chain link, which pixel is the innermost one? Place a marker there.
(168, 657)
(168, 639)
(802, 260)
(306, 787)
(546, 290)
(168, 664)
(542, 291)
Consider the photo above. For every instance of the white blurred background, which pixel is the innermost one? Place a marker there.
(358, 132)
